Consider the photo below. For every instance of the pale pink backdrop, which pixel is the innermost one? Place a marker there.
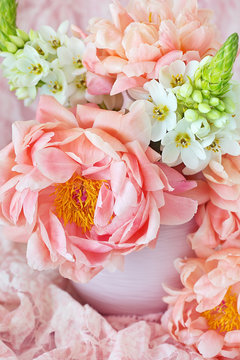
(38, 318)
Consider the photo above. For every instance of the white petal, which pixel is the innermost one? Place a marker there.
(191, 68)
(63, 28)
(177, 68)
(230, 147)
(171, 121)
(208, 140)
(169, 138)
(171, 102)
(77, 46)
(165, 77)
(64, 56)
(189, 158)
(158, 130)
(157, 92)
(198, 150)
(170, 153)
(47, 32)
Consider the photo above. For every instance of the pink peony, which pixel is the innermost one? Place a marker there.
(219, 219)
(224, 182)
(84, 189)
(205, 314)
(130, 49)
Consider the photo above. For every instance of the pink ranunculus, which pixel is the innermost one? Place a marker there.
(83, 189)
(219, 218)
(130, 49)
(205, 314)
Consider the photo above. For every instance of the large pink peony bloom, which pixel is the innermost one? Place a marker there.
(205, 314)
(130, 49)
(83, 190)
(219, 219)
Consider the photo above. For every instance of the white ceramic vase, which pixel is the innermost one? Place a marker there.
(138, 289)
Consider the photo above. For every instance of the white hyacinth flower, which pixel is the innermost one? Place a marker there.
(55, 84)
(28, 94)
(177, 73)
(70, 58)
(52, 39)
(77, 90)
(180, 145)
(161, 107)
(30, 68)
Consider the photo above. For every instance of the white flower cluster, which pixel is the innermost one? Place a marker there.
(186, 135)
(50, 62)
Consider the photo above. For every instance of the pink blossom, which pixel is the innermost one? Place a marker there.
(130, 49)
(85, 189)
(219, 218)
(205, 314)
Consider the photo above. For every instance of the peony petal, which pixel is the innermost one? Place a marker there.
(55, 164)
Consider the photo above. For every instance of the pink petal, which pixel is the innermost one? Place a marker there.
(104, 207)
(98, 84)
(210, 344)
(123, 83)
(55, 164)
(177, 210)
(50, 110)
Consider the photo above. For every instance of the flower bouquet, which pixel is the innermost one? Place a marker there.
(133, 155)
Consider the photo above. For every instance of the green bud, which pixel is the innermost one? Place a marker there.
(23, 35)
(11, 47)
(191, 115)
(214, 101)
(213, 115)
(221, 106)
(204, 108)
(186, 90)
(206, 93)
(17, 41)
(197, 96)
(230, 106)
(198, 83)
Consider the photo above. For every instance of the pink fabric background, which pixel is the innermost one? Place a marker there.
(34, 308)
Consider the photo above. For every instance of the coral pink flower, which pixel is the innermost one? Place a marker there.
(219, 219)
(205, 314)
(125, 52)
(224, 182)
(84, 189)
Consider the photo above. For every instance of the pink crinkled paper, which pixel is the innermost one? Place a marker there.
(40, 320)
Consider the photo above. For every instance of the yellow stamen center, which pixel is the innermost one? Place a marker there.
(77, 62)
(177, 80)
(81, 82)
(215, 147)
(75, 201)
(183, 140)
(55, 86)
(160, 112)
(150, 17)
(225, 316)
(35, 69)
(55, 43)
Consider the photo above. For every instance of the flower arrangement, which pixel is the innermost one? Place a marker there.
(137, 126)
